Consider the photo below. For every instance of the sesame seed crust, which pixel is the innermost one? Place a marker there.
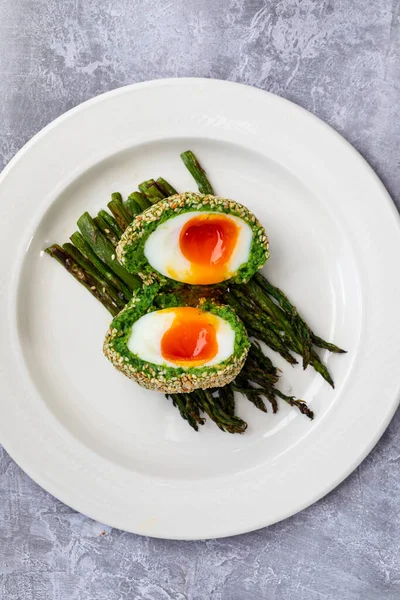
(182, 383)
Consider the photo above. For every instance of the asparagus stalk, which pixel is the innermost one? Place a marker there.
(320, 343)
(120, 214)
(252, 394)
(292, 339)
(180, 402)
(291, 310)
(212, 407)
(117, 196)
(255, 396)
(227, 399)
(128, 210)
(190, 405)
(105, 229)
(319, 366)
(140, 200)
(193, 408)
(84, 278)
(257, 356)
(105, 251)
(91, 270)
(152, 191)
(197, 172)
(79, 242)
(259, 327)
(133, 205)
(167, 189)
(254, 375)
(297, 331)
(111, 222)
(300, 404)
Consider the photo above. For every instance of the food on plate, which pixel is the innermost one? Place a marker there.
(166, 332)
(194, 239)
(177, 349)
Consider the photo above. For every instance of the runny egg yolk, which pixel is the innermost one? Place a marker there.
(208, 242)
(191, 340)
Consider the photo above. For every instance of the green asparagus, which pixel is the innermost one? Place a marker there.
(84, 278)
(105, 251)
(197, 172)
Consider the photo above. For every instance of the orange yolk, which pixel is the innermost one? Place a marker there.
(191, 340)
(208, 241)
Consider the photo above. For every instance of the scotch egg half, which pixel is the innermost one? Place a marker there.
(178, 349)
(194, 239)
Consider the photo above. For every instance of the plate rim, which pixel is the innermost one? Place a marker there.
(176, 81)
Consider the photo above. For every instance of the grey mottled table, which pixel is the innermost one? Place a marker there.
(337, 58)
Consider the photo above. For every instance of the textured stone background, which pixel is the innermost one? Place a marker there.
(339, 59)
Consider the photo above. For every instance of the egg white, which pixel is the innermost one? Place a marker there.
(163, 252)
(147, 332)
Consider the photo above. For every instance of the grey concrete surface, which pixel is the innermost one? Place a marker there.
(337, 58)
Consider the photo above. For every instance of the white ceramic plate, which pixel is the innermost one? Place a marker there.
(122, 454)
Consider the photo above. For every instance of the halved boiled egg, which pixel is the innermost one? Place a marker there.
(177, 349)
(199, 247)
(194, 239)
